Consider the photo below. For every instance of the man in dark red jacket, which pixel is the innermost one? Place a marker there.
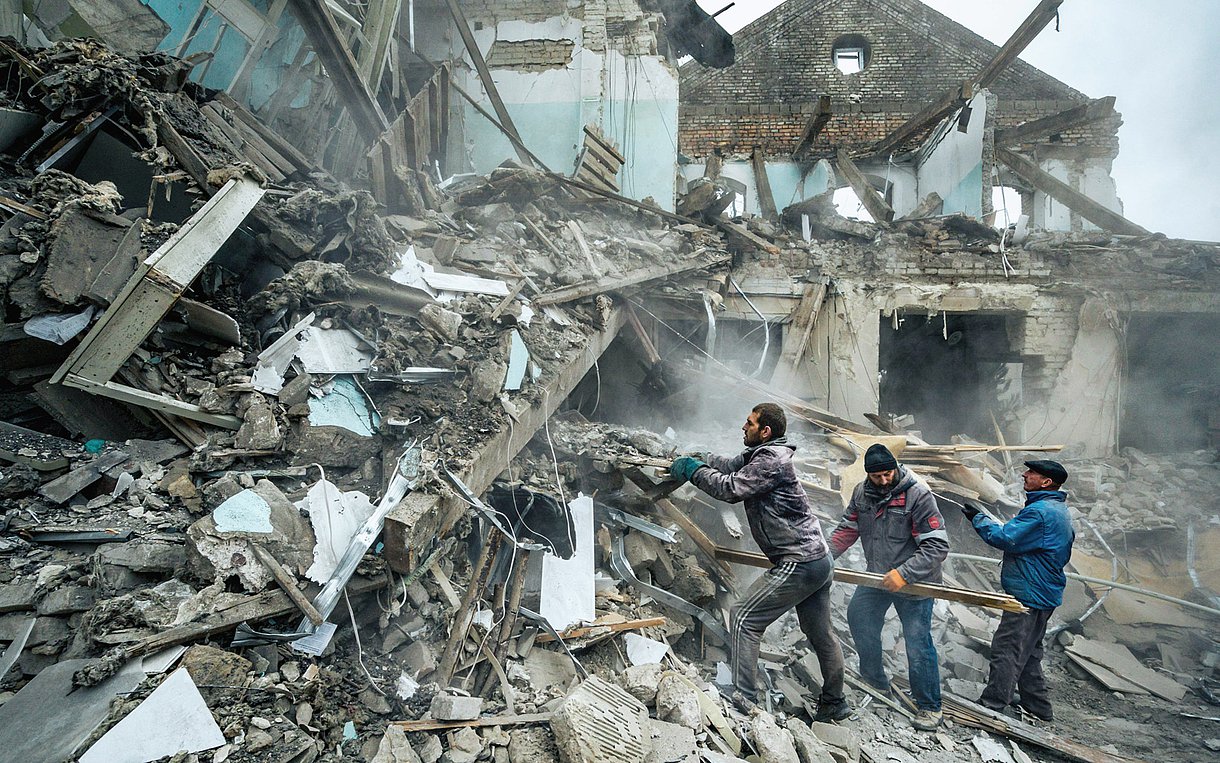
(896, 520)
(785, 529)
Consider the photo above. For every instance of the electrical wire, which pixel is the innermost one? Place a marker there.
(359, 648)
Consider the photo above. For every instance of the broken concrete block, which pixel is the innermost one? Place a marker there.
(259, 429)
(210, 666)
(600, 723)
(465, 745)
(532, 745)
(641, 681)
(430, 749)
(671, 743)
(487, 379)
(445, 323)
(217, 551)
(809, 748)
(420, 658)
(678, 701)
(18, 597)
(142, 556)
(844, 745)
(774, 744)
(66, 600)
(454, 707)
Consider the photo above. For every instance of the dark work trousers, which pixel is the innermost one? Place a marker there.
(1016, 663)
(806, 586)
(865, 618)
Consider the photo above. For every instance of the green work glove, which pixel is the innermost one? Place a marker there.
(684, 467)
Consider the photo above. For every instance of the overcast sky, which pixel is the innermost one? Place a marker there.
(1158, 59)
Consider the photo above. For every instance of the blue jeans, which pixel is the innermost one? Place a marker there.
(866, 615)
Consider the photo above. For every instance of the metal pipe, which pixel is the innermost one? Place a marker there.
(1104, 582)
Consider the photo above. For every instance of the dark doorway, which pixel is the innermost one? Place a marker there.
(949, 371)
(1172, 381)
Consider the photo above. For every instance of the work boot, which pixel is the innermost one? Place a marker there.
(927, 720)
(904, 700)
(1046, 716)
(832, 711)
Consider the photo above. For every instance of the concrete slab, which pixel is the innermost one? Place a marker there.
(599, 722)
(50, 717)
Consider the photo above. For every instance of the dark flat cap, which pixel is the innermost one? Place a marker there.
(1051, 469)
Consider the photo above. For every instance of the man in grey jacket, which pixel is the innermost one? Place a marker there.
(785, 529)
(896, 520)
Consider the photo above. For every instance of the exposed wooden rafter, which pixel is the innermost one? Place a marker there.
(958, 96)
(1099, 108)
(327, 41)
(1087, 208)
(813, 127)
(872, 201)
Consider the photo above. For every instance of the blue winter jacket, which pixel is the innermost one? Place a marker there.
(1037, 544)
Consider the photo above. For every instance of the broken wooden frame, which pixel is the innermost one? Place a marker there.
(157, 284)
(1077, 116)
(872, 200)
(821, 115)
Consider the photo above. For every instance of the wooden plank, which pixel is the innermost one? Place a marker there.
(869, 197)
(607, 161)
(605, 144)
(765, 199)
(427, 724)
(327, 41)
(288, 584)
(633, 278)
(976, 716)
(1063, 193)
(821, 115)
(873, 580)
(1119, 660)
(489, 85)
(803, 319)
(1099, 108)
(422, 517)
(380, 21)
(63, 488)
(592, 178)
(272, 138)
(1029, 29)
(599, 628)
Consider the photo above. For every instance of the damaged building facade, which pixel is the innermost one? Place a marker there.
(346, 347)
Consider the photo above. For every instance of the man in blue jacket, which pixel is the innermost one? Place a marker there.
(1037, 544)
(783, 525)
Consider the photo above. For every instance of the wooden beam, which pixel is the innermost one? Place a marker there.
(327, 41)
(1099, 108)
(480, 65)
(599, 628)
(1063, 193)
(958, 96)
(765, 199)
(288, 583)
(1030, 28)
(380, 21)
(944, 106)
(872, 201)
(821, 115)
(873, 580)
(633, 278)
(422, 517)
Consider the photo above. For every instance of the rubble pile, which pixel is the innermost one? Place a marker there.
(195, 473)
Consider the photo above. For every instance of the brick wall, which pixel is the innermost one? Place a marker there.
(530, 55)
(784, 63)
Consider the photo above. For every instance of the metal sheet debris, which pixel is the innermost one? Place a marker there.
(346, 406)
(59, 328)
(337, 516)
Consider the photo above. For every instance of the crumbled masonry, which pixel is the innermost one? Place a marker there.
(323, 398)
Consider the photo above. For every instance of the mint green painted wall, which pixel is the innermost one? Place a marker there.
(966, 196)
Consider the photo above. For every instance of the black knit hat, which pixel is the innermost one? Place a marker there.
(879, 459)
(1052, 470)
